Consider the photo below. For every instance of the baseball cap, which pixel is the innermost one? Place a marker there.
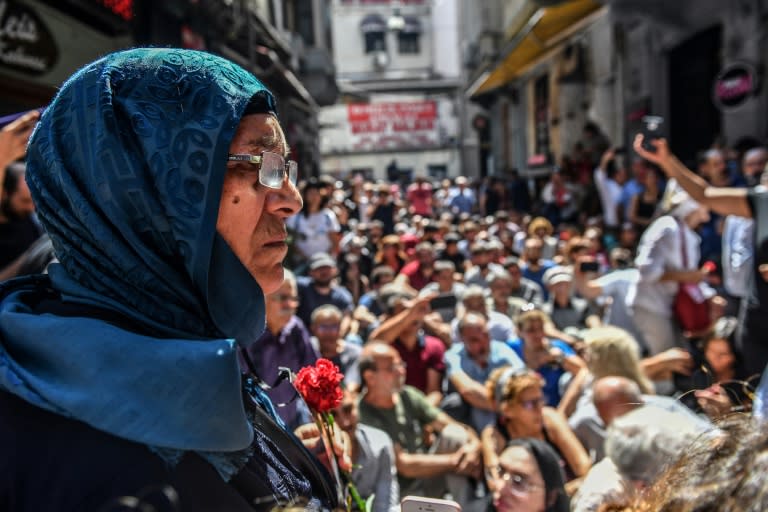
(556, 275)
(321, 259)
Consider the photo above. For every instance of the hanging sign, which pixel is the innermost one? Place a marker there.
(734, 86)
(26, 44)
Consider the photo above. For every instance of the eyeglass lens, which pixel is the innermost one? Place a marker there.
(273, 169)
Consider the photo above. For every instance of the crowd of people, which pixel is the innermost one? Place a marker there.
(510, 345)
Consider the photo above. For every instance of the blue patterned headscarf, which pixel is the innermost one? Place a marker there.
(126, 169)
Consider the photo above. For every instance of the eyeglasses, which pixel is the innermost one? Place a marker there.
(394, 367)
(272, 168)
(284, 298)
(533, 404)
(326, 327)
(517, 483)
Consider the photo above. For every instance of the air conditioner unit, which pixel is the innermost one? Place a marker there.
(380, 60)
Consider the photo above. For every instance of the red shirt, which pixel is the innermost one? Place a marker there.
(419, 196)
(429, 352)
(417, 280)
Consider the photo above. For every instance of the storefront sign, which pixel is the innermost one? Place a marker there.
(26, 44)
(393, 124)
(734, 85)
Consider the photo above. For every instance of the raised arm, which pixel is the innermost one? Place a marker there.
(13, 141)
(723, 200)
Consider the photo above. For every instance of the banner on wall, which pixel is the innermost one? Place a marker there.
(393, 125)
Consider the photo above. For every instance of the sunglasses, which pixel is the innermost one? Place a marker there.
(272, 168)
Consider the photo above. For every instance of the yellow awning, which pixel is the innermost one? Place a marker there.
(540, 34)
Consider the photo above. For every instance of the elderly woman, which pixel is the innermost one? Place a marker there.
(161, 177)
(531, 479)
(521, 413)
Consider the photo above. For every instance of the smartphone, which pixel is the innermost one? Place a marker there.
(653, 130)
(589, 266)
(447, 301)
(419, 504)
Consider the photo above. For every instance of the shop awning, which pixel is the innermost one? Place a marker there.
(373, 23)
(546, 27)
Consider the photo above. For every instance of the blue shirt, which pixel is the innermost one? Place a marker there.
(310, 299)
(458, 360)
(551, 374)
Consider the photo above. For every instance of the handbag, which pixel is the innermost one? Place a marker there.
(690, 308)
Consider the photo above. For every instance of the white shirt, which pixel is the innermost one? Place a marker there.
(738, 254)
(660, 250)
(610, 197)
(313, 232)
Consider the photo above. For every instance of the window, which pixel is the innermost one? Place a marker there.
(408, 43)
(374, 30)
(541, 115)
(408, 36)
(374, 42)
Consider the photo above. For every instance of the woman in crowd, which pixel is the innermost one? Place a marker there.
(351, 277)
(530, 479)
(161, 177)
(540, 228)
(316, 229)
(642, 206)
(610, 351)
(551, 358)
(391, 253)
(521, 413)
(719, 380)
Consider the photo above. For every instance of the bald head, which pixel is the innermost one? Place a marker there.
(753, 163)
(615, 396)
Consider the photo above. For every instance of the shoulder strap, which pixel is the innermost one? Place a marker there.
(681, 227)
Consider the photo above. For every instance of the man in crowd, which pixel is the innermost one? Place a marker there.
(319, 288)
(451, 464)
(535, 266)
(420, 271)
(482, 266)
(447, 289)
(326, 328)
(468, 366)
(640, 442)
(565, 310)
(284, 343)
(373, 472)
(522, 287)
(462, 198)
(423, 354)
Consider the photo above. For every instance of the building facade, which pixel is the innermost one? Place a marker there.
(285, 43)
(400, 108)
(554, 65)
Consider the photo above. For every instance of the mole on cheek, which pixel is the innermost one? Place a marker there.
(236, 199)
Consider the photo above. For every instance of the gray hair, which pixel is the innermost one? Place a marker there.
(326, 310)
(643, 442)
(289, 277)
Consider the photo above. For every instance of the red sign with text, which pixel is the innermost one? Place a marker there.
(392, 117)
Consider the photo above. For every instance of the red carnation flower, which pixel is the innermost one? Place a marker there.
(319, 385)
